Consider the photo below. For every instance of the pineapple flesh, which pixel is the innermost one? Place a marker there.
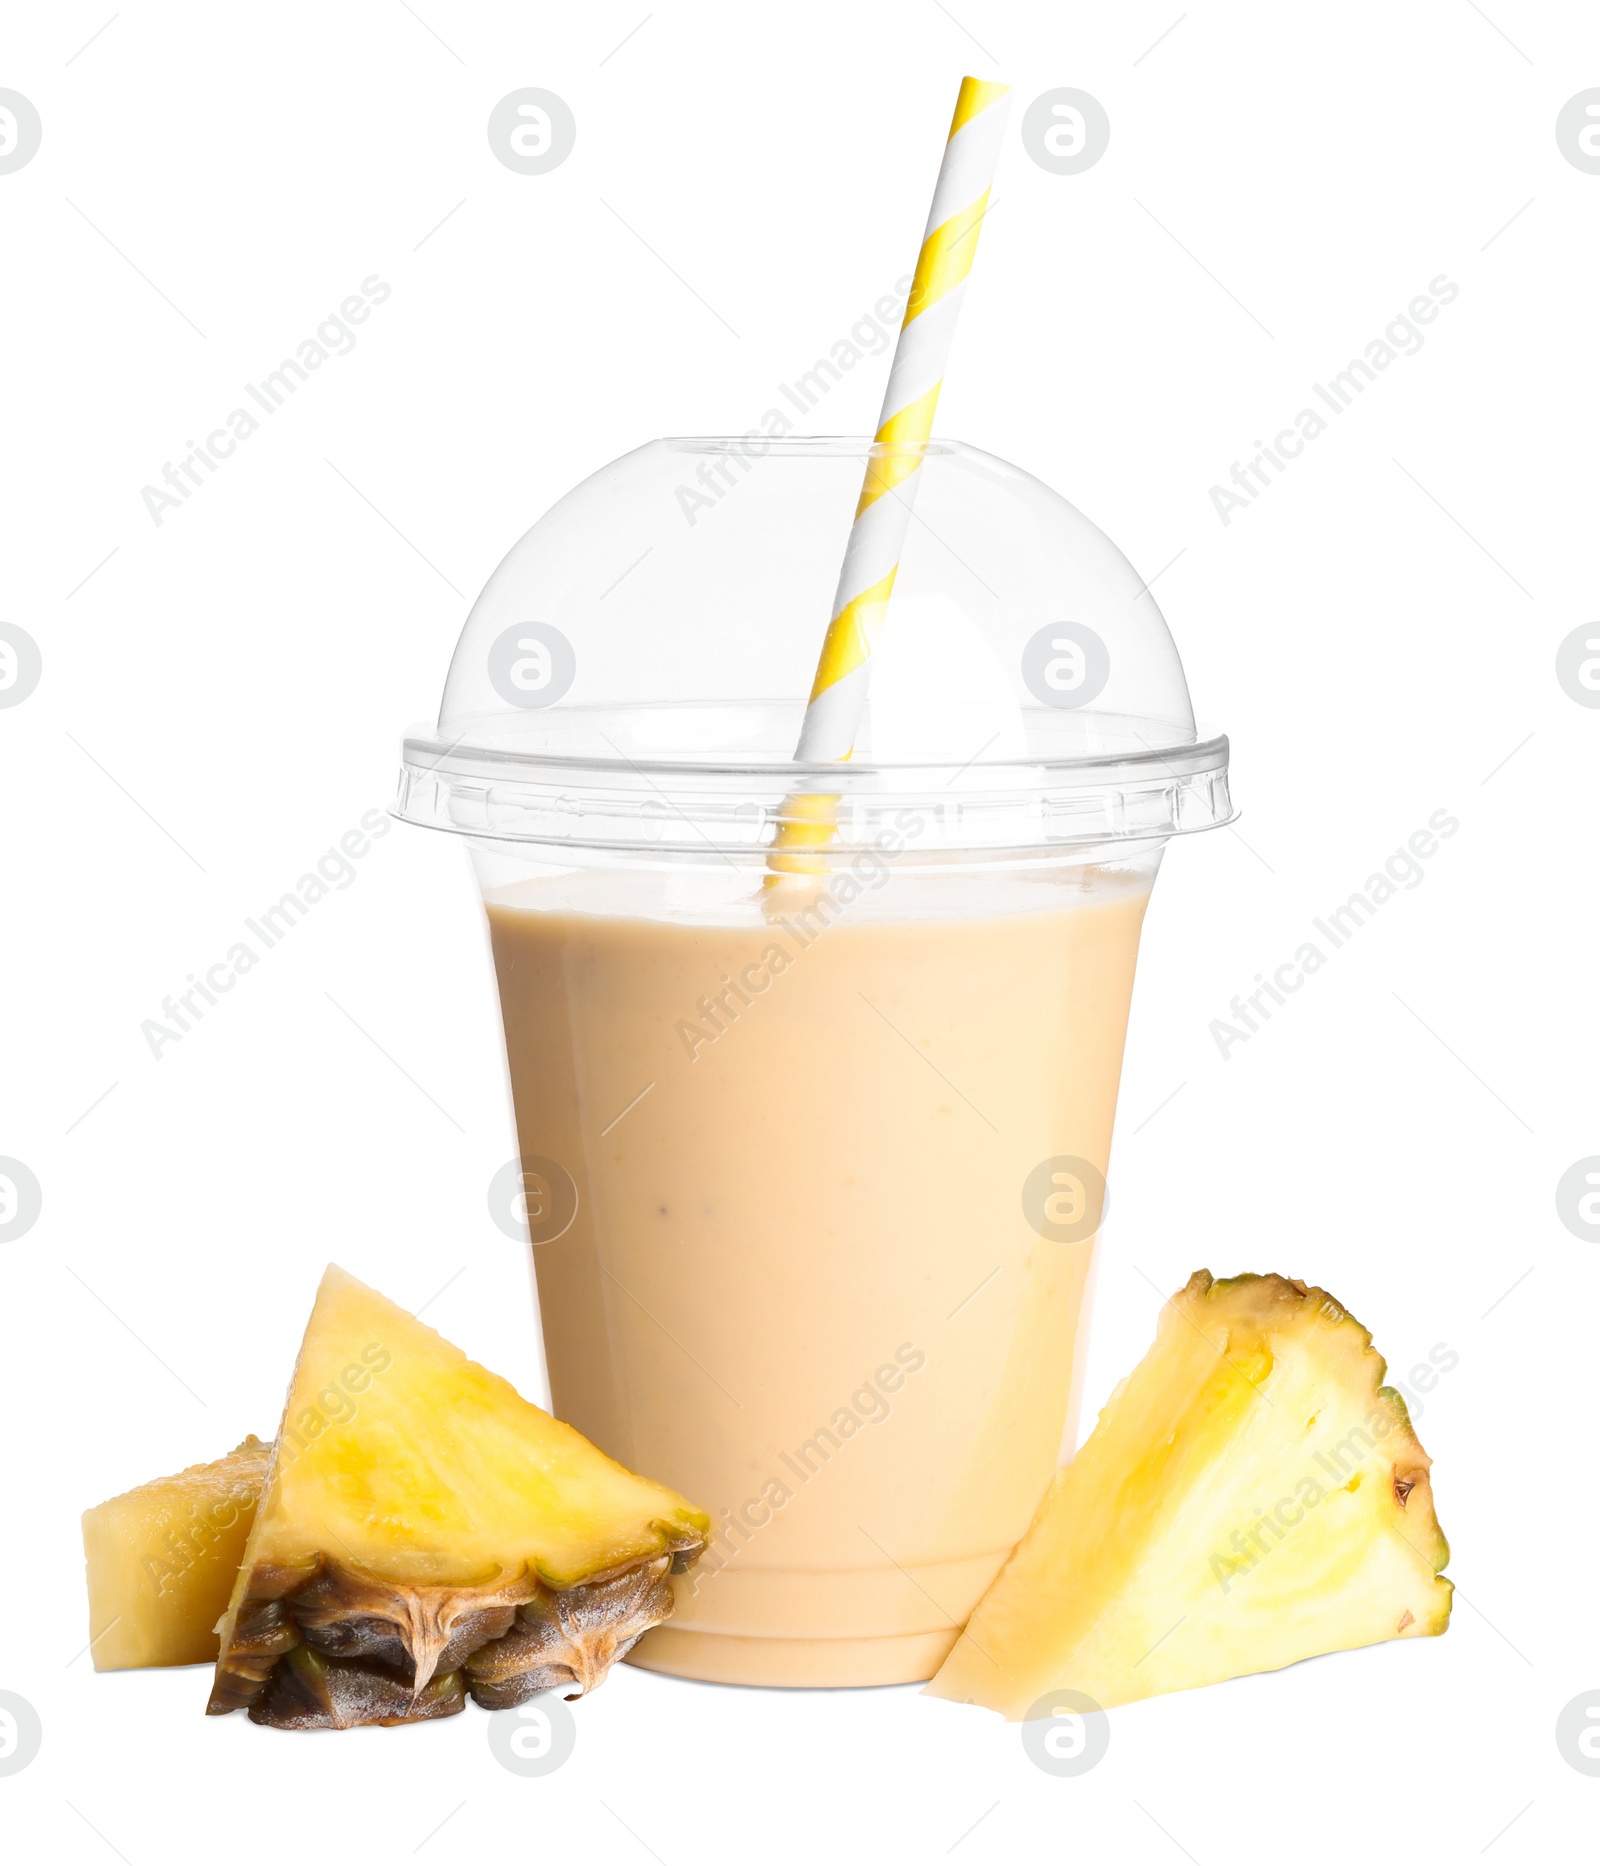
(161, 1561)
(425, 1534)
(1251, 1495)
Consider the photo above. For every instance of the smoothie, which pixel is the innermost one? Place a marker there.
(801, 1286)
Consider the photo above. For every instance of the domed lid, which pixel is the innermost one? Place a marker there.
(634, 674)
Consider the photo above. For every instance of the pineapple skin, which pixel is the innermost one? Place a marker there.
(420, 1522)
(161, 1560)
(1252, 1495)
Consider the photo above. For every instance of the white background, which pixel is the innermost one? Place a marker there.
(222, 697)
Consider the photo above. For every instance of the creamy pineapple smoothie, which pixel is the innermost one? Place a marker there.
(801, 1286)
(820, 1101)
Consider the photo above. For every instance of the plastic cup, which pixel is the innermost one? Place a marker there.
(814, 1174)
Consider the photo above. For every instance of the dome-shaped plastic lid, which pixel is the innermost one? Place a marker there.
(634, 675)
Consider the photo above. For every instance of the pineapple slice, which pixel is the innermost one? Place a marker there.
(161, 1561)
(1251, 1495)
(426, 1533)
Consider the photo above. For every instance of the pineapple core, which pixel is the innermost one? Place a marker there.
(426, 1532)
(1251, 1495)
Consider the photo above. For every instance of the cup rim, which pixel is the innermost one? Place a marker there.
(691, 809)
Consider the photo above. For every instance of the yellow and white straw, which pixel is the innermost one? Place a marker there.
(883, 514)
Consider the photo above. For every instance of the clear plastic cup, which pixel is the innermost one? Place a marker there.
(814, 1172)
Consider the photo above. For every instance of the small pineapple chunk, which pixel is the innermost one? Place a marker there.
(1251, 1495)
(162, 1560)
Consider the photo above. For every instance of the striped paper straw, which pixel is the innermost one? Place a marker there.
(883, 514)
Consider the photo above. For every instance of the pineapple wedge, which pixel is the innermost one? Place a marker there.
(425, 1533)
(161, 1561)
(1250, 1496)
